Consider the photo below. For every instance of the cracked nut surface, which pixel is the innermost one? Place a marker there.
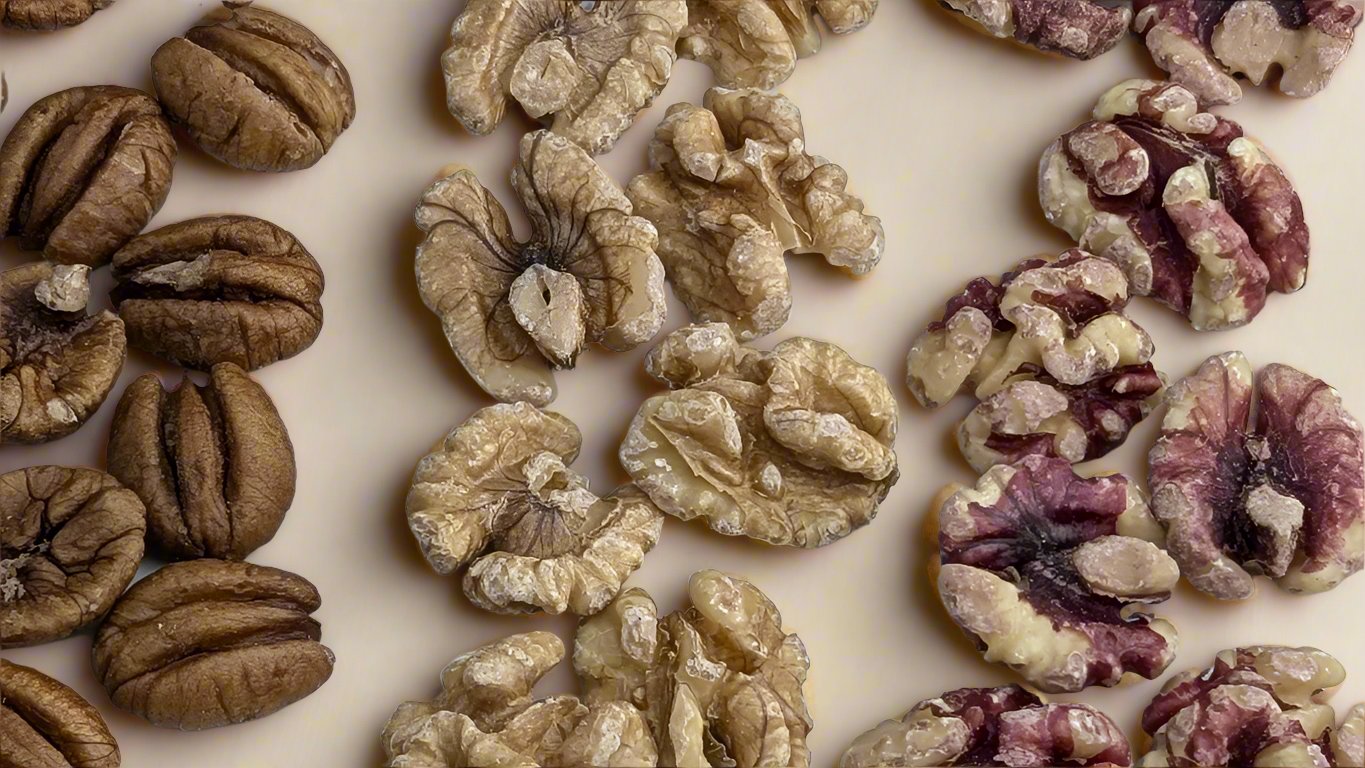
(1057, 366)
(206, 643)
(1283, 496)
(1195, 212)
(48, 14)
(732, 190)
(213, 464)
(254, 89)
(1004, 726)
(1081, 29)
(792, 447)
(219, 289)
(57, 364)
(45, 724)
(1205, 46)
(1044, 571)
(83, 171)
(585, 69)
(497, 496)
(513, 311)
(70, 542)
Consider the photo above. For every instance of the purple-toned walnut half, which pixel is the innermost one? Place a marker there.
(1005, 726)
(1283, 496)
(1196, 213)
(1081, 29)
(1043, 568)
(1059, 369)
(1203, 44)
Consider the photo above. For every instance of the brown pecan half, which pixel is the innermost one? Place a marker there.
(44, 724)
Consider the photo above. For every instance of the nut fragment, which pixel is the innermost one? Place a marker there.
(48, 14)
(512, 311)
(1005, 726)
(790, 447)
(1043, 570)
(1284, 498)
(497, 495)
(220, 289)
(1081, 29)
(584, 69)
(83, 171)
(1204, 45)
(57, 364)
(213, 464)
(1196, 213)
(732, 191)
(256, 90)
(1059, 369)
(44, 724)
(207, 643)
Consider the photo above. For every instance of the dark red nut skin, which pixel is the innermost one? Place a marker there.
(44, 724)
(1080, 29)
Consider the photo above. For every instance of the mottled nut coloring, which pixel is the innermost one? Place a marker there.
(48, 14)
(221, 289)
(1283, 496)
(207, 643)
(57, 364)
(732, 190)
(583, 69)
(213, 464)
(254, 89)
(1005, 726)
(1081, 29)
(44, 724)
(70, 542)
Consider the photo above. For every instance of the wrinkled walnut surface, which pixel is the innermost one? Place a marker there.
(1081, 29)
(732, 190)
(791, 447)
(44, 724)
(584, 69)
(1195, 212)
(1283, 496)
(497, 496)
(513, 311)
(48, 14)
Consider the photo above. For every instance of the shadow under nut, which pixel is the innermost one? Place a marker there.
(207, 643)
(45, 724)
(213, 464)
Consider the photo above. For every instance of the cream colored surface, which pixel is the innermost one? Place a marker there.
(940, 129)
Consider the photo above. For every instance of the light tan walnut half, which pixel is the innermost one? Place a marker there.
(732, 191)
(497, 495)
(511, 310)
(584, 69)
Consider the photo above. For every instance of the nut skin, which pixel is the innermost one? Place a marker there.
(213, 464)
(70, 542)
(42, 15)
(45, 724)
(219, 289)
(1079, 29)
(207, 643)
(254, 89)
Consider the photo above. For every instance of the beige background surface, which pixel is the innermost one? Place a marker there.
(939, 130)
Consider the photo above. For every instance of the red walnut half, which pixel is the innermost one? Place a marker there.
(1005, 726)
(1081, 29)
(1042, 568)
(1197, 214)
(1282, 497)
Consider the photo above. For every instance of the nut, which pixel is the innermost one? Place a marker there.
(584, 69)
(48, 14)
(83, 171)
(1059, 369)
(57, 364)
(497, 495)
(1197, 214)
(207, 643)
(1008, 725)
(1043, 570)
(70, 542)
(791, 447)
(254, 89)
(733, 190)
(213, 464)
(220, 289)
(44, 723)
(512, 311)
(1203, 45)
(1081, 29)
(1282, 498)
